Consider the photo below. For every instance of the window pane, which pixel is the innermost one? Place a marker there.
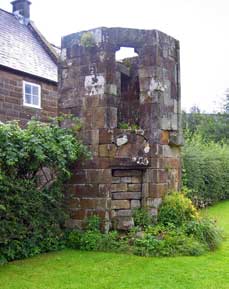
(28, 99)
(35, 90)
(28, 88)
(35, 100)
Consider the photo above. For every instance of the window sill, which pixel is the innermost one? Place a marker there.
(31, 106)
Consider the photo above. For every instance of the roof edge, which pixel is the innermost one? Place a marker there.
(44, 42)
(23, 73)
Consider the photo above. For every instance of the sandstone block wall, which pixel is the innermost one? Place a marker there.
(11, 98)
(132, 167)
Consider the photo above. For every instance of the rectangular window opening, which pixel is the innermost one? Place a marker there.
(31, 94)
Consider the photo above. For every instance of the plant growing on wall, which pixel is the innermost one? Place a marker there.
(87, 40)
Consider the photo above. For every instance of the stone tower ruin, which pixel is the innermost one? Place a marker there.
(131, 116)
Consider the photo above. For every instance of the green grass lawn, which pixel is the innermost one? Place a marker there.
(71, 269)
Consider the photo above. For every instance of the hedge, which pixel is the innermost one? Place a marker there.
(205, 170)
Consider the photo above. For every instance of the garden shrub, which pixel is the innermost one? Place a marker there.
(179, 231)
(167, 241)
(141, 217)
(206, 231)
(34, 163)
(176, 209)
(92, 239)
(93, 223)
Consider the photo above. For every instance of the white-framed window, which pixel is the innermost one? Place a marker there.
(31, 94)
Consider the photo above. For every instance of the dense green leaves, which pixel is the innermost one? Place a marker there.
(205, 170)
(206, 156)
(176, 209)
(34, 163)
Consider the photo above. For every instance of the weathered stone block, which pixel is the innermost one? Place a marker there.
(78, 177)
(172, 163)
(145, 190)
(120, 204)
(78, 214)
(127, 173)
(90, 136)
(135, 204)
(118, 187)
(98, 212)
(124, 223)
(154, 203)
(111, 118)
(98, 117)
(105, 136)
(164, 137)
(72, 203)
(86, 190)
(88, 203)
(107, 150)
(136, 180)
(99, 176)
(168, 151)
(126, 180)
(95, 163)
(73, 224)
(159, 176)
(104, 190)
(134, 187)
(116, 180)
(111, 89)
(126, 196)
(157, 190)
(123, 213)
(93, 203)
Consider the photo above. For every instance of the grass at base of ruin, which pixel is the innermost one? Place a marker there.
(71, 269)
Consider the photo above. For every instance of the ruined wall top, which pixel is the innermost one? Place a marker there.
(143, 91)
(123, 37)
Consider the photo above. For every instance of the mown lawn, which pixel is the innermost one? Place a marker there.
(71, 269)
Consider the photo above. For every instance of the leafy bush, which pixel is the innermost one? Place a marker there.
(176, 209)
(193, 237)
(93, 223)
(179, 231)
(205, 231)
(92, 239)
(163, 240)
(34, 163)
(73, 239)
(205, 171)
(141, 217)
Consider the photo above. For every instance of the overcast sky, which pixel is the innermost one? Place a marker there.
(201, 26)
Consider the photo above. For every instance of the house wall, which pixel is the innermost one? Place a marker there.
(11, 98)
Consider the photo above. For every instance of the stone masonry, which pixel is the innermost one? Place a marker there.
(130, 112)
(11, 100)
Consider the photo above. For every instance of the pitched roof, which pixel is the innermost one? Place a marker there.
(23, 48)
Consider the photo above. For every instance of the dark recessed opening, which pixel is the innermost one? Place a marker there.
(128, 86)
